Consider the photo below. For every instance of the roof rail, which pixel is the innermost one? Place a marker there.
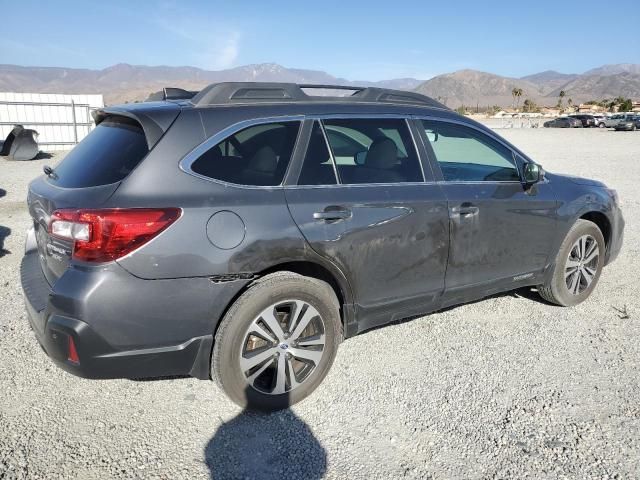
(310, 86)
(374, 94)
(229, 93)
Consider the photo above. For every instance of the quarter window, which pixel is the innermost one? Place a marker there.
(257, 155)
(373, 151)
(467, 155)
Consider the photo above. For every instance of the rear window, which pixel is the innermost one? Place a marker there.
(107, 155)
(258, 155)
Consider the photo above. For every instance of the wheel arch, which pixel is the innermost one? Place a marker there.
(315, 269)
(602, 222)
(328, 273)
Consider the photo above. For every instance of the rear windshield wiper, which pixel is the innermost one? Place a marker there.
(48, 171)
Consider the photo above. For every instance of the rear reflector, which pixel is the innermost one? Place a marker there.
(108, 234)
(72, 355)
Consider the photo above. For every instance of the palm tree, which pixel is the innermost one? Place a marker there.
(519, 94)
(561, 95)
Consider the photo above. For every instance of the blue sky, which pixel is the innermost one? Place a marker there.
(358, 40)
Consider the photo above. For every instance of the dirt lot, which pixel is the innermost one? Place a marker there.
(505, 387)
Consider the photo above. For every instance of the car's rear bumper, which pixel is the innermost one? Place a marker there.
(123, 326)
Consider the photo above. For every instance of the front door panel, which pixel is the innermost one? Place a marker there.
(499, 231)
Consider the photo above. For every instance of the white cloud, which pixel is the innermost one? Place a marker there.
(211, 46)
(221, 52)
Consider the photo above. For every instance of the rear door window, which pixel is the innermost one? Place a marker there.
(258, 155)
(376, 150)
(107, 155)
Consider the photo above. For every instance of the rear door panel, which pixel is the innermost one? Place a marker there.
(390, 240)
(392, 248)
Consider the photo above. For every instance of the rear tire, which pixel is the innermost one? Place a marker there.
(577, 267)
(277, 342)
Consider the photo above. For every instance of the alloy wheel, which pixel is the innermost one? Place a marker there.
(582, 264)
(282, 347)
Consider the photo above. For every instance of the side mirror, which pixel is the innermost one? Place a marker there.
(432, 135)
(360, 157)
(533, 173)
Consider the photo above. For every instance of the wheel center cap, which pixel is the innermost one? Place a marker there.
(284, 346)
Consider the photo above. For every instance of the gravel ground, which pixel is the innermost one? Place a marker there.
(505, 387)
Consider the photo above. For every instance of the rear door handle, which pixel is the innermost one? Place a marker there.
(332, 213)
(465, 210)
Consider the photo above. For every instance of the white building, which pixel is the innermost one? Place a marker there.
(61, 120)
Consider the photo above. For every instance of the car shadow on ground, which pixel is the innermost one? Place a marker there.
(265, 446)
(4, 233)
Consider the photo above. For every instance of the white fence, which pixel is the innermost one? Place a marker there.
(61, 120)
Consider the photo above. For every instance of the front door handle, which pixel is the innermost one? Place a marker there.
(332, 213)
(465, 210)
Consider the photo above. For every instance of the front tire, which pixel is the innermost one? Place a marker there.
(277, 342)
(577, 267)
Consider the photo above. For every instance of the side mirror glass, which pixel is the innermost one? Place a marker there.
(432, 135)
(360, 157)
(532, 173)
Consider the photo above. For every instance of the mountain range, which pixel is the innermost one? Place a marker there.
(124, 82)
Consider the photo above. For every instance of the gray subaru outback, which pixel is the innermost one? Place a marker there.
(242, 233)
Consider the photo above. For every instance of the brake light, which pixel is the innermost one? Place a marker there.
(108, 234)
(72, 355)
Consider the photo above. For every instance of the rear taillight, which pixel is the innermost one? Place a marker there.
(108, 234)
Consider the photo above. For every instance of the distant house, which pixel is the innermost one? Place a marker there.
(550, 111)
(635, 106)
(585, 108)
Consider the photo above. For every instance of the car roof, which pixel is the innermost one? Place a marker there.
(254, 100)
(253, 93)
(261, 99)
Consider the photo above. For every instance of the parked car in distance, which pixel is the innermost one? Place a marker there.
(600, 119)
(586, 120)
(243, 233)
(628, 124)
(563, 122)
(613, 120)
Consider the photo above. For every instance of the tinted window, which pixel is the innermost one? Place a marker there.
(465, 154)
(107, 155)
(257, 155)
(373, 151)
(317, 168)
